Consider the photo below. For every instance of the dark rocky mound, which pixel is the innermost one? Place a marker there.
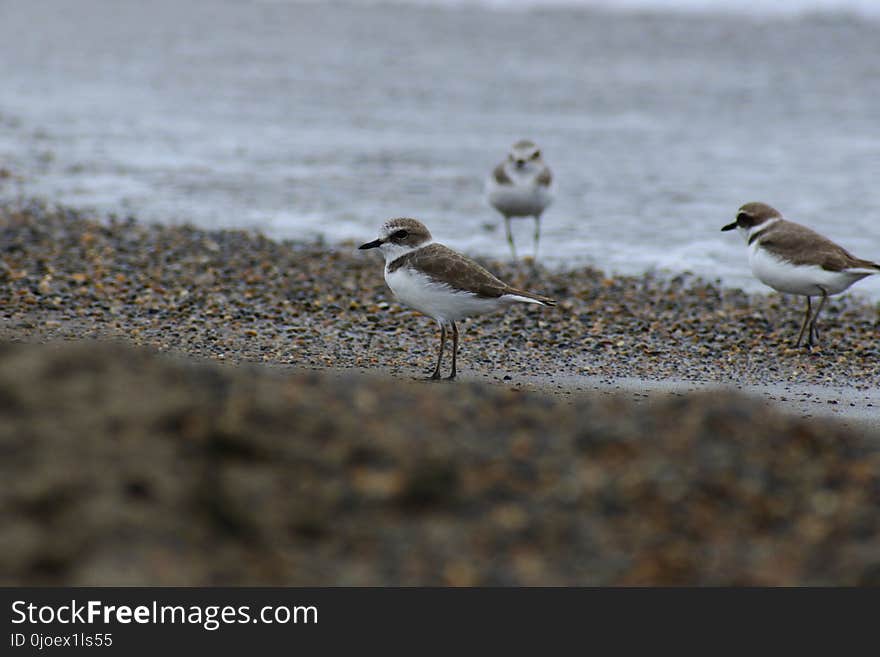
(120, 466)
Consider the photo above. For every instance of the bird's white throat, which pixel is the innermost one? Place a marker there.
(747, 233)
(393, 251)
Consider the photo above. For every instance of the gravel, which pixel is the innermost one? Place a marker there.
(240, 297)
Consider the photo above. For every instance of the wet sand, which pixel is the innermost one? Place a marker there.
(858, 408)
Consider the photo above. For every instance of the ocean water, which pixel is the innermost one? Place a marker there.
(323, 119)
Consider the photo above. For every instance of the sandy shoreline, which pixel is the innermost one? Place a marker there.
(238, 297)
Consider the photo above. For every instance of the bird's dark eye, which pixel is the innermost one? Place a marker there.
(400, 234)
(536, 155)
(743, 219)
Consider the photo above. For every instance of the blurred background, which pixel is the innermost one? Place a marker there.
(314, 120)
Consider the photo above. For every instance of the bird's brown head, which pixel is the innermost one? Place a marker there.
(397, 236)
(525, 153)
(753, 214)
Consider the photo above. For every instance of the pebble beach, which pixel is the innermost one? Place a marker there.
(222, 408)
(236, 296)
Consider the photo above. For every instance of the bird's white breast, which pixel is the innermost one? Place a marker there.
(523, 198)
(437, 300)
(808, 280)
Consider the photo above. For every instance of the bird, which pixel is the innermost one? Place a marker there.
(794, 259)
(521, 186)
(441, 283)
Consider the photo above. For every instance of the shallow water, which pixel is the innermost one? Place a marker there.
(318, 119)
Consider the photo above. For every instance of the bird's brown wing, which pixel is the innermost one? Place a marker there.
(501, 176)
(545, 178)
(802, 246)
(444, 265)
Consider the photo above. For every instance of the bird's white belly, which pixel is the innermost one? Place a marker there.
(808, 280)
(434, 299)
(524, 200)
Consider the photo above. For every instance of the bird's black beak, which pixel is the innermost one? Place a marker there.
(727, 227)
(371, 245)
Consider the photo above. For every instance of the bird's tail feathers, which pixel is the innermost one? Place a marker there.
(527, 297)
(866, 267)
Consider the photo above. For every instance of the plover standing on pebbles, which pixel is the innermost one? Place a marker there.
(521, 186)
(440, 283)
(794, 259)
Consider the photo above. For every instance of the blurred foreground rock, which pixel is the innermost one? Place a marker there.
(121, 466)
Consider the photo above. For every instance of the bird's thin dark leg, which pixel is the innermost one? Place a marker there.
(454, 349)
(814, 332)
(537, 234)
(509, 237)
(436, 374)
(806, 321)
